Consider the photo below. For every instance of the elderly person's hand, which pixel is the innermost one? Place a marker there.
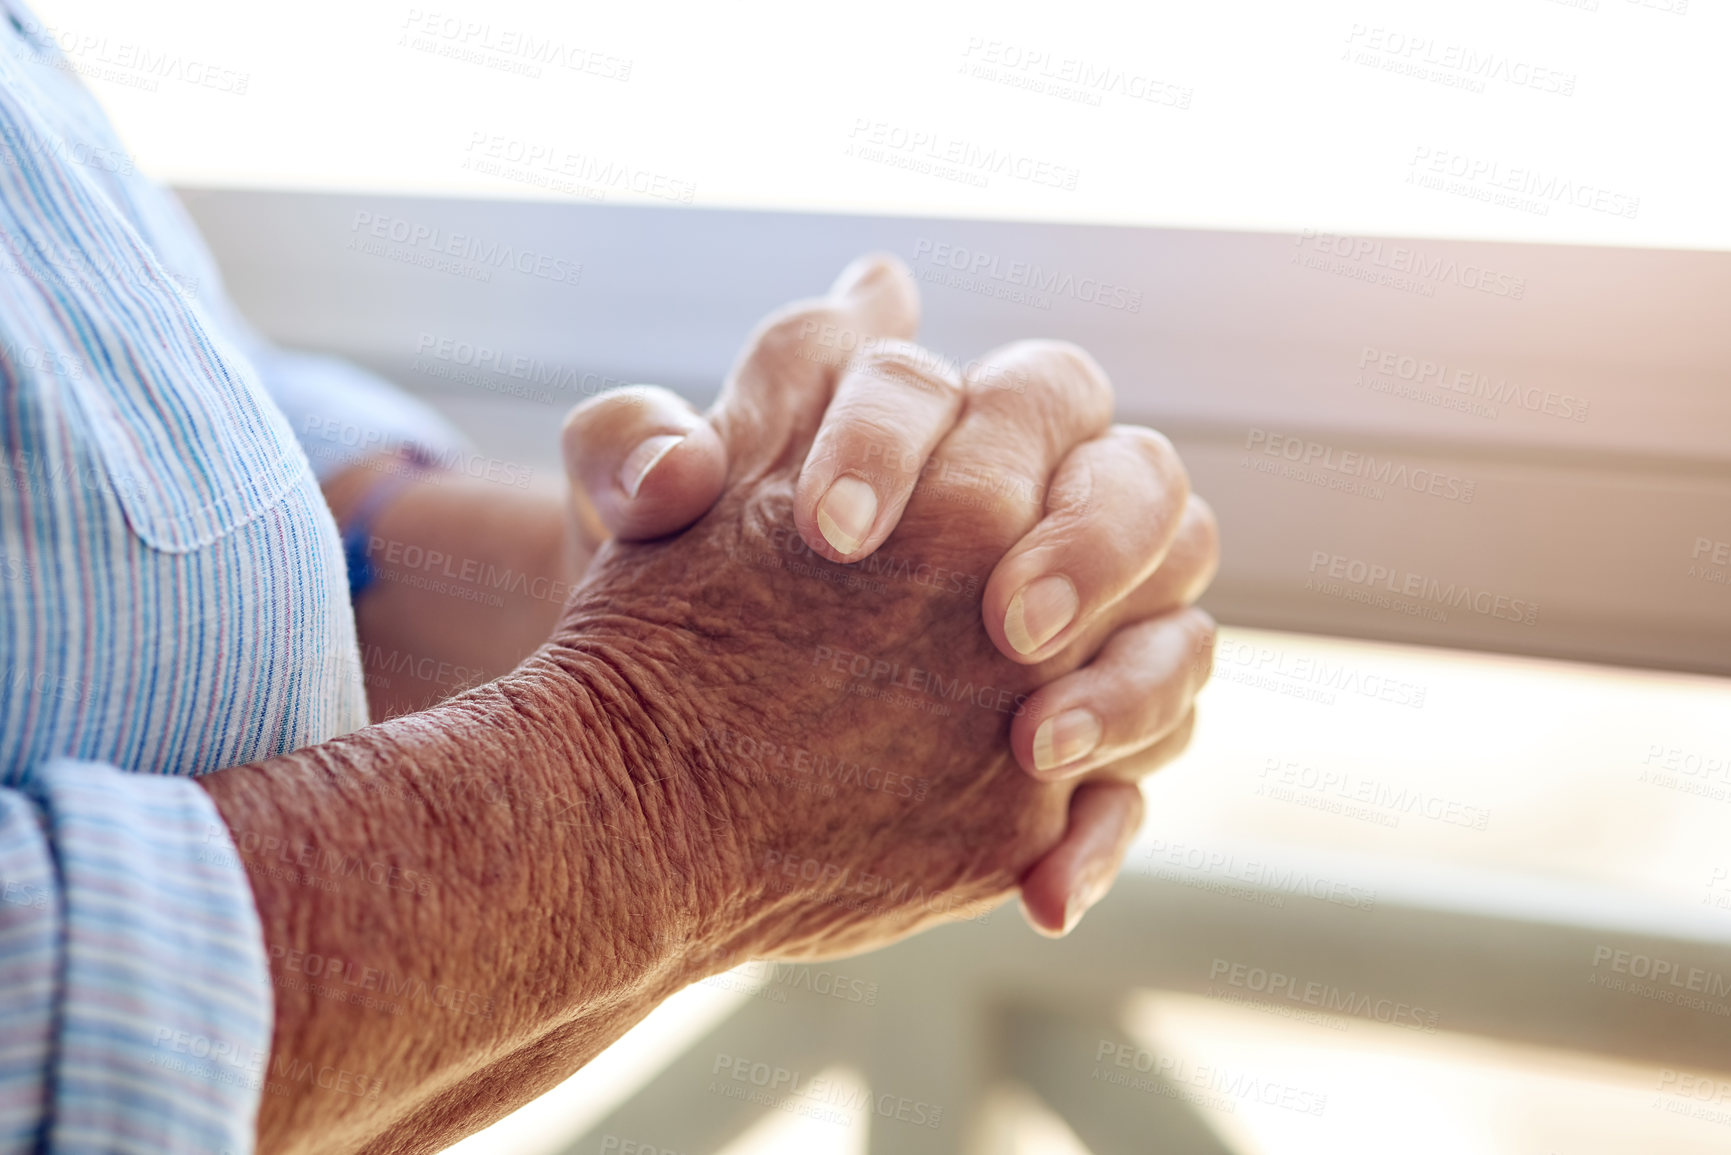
(734, 744)
(1006, 478)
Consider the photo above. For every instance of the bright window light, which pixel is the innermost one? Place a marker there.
(1427, 759)
(1550, 120)
(1273, 1086)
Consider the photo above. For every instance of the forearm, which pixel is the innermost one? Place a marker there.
(470, 576)
(460, 908)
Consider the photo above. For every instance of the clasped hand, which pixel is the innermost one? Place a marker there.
(902, 637)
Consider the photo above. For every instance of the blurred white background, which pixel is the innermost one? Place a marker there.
(1590, 122)
(1263, 115)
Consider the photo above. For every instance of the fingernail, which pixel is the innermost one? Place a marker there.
(1039, 611)
(1046, 931)
(1063, 738)
(846, 513)
(645, 457)
(1089, 889)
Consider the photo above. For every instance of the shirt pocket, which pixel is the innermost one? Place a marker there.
(192, 447)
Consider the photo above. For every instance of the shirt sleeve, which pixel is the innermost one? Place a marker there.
(135, 1000)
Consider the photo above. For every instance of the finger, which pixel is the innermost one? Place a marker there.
(1135, 767)
(1185, 572)
(774, 399)
(892, 407)
(1137, 689)
(1113, 510)
(641, 462)
(1027, 405)
(1075, 874)
(1183, 576)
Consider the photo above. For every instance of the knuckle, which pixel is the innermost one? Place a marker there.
(1099, 543)
(907, 364)
(1063, 364)
(574, 431)
(808, 332)
(1156, 451)
(610, 411)
(875, 444)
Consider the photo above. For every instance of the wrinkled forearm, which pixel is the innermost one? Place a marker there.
(470, 576)
(461, 907)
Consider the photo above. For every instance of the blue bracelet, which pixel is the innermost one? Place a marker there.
(357, 534)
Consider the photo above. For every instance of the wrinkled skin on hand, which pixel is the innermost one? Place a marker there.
(728, 640)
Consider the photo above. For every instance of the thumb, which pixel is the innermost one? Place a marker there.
(642, 463)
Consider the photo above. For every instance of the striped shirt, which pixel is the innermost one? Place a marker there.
(172, 601)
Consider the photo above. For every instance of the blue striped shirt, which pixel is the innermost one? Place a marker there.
(172, 601)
